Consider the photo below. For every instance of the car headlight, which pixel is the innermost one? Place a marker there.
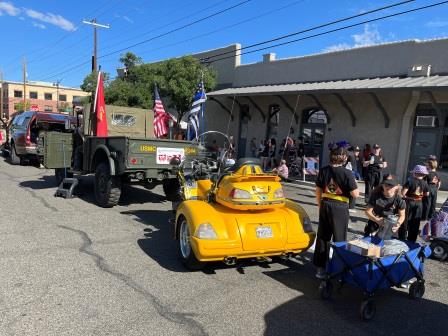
(240, 194)
(279, 193)
(307, 225)
(206, 231)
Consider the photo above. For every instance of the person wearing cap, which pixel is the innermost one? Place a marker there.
(413, 191)
(434, 183)
(334, 185)
(375, 164)
(383, 202)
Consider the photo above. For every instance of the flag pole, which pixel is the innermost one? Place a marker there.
(203, 104)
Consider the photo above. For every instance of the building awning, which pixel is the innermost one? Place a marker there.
(353, 85)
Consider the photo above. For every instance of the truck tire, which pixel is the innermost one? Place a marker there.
(172, 190)
(107, 187)
(59, 175)
(14, 159)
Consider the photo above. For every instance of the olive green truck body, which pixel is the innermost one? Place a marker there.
(129, 155)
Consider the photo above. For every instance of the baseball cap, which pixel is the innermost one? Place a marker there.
(391, 182)
(432, 157)
(376, 146)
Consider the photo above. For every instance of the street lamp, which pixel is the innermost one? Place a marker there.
(57, 93)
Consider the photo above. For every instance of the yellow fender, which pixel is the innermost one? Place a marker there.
(198, 212)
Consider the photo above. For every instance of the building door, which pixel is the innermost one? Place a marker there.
(313, 132)
(313, 139)
(244, 125)
(424, 143)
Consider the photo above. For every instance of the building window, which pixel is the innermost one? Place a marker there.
(48, 108)
(63, 97)
(17, 94)
(123, 120)
(33, 95)
(48, 96)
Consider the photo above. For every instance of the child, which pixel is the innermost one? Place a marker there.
(334, 186)
(383, 202)
(413, 191)
(434, 183)
(282, 170)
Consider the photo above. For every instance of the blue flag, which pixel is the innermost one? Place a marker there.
(196, 114)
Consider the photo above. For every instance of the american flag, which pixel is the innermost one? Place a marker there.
(160, 116)
(196, 107)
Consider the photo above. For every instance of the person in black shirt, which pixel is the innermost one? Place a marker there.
(413, 191)
(334, 185)
(383, 202)
(375, 163)
(434, 183)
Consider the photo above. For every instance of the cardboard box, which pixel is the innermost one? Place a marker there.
(364, 248)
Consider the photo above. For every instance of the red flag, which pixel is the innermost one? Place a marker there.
(100, 108)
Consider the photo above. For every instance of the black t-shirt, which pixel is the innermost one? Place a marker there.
(383, 206)
(432, 178)
(416, 188)
(336, 180)
(375, 166)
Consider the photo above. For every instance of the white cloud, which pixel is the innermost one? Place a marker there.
(50, 18)
(8, 8)
(337, 47)
(128, 19)
(370, 36)
(437, 24)
(39, 25)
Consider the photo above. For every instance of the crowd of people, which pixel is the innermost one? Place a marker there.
(337, 190)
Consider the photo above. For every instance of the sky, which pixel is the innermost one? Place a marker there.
(57, 46)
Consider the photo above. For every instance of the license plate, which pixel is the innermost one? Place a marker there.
(264, 232)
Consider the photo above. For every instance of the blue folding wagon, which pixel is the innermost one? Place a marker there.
(371, 274)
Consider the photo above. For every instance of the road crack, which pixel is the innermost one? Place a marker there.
(184, 319)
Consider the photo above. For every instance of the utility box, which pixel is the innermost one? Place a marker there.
(57, 149)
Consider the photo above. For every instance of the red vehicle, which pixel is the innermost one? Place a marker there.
(24, 129)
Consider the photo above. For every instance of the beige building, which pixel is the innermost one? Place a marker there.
(39, 96)
(394, 94)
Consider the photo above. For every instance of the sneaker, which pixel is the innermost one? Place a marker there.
(321, 273)
(353, 211)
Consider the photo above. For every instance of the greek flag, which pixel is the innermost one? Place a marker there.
(196, 114)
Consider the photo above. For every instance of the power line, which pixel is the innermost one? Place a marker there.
(45, 55)
(167, 24)
(313, 28)
(228, 26)
(158, 36)
(333, 30)
(179, 28)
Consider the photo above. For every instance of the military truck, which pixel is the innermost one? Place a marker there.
(129, 155)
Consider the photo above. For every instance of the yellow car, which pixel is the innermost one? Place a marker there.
(240, 214)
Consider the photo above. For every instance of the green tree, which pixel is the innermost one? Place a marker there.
(130, 60)
(180, 79)
(21, 106)
(89, 83)
(176, 78)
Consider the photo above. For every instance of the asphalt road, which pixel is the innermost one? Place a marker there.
(69, 267)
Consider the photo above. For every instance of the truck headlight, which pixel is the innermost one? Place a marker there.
(279, 193)
(307, 225)
(206, 231)
(240, 194)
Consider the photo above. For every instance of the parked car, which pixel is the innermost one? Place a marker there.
(24, 129)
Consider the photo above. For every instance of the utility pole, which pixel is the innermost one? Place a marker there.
(95, 54)
(58, 81)
(24, 84)
(2, 111)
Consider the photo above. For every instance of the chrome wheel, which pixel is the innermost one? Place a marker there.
(184, 239)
